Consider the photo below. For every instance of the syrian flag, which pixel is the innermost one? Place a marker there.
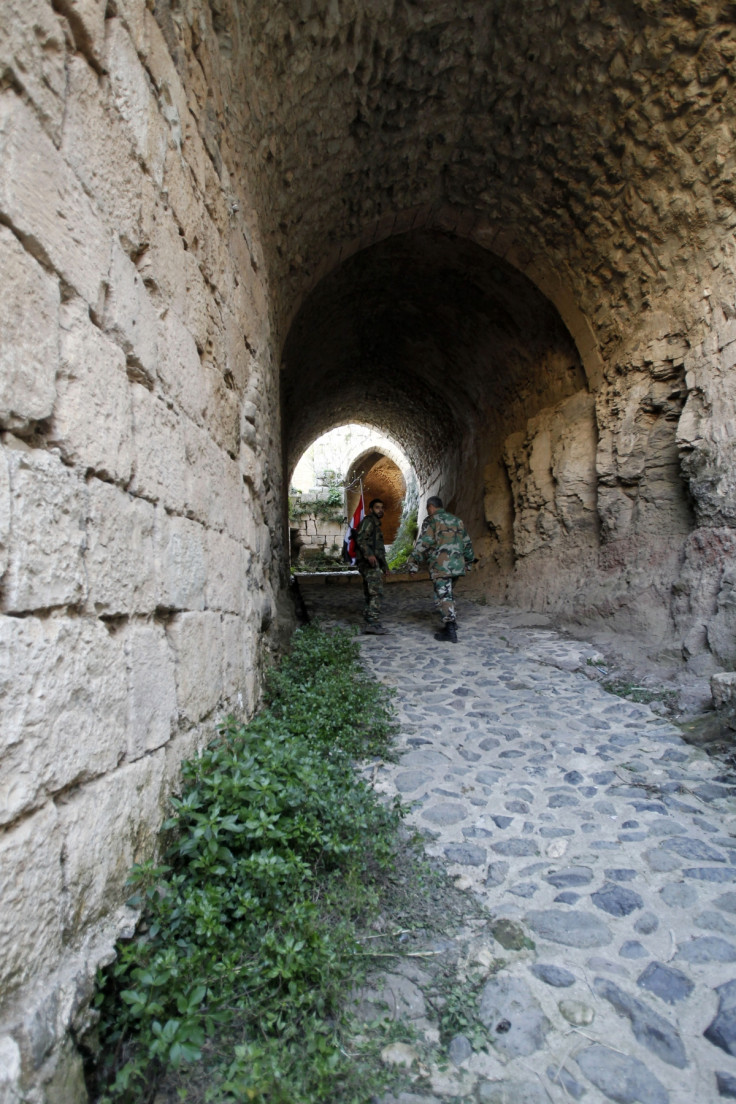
(353, 529)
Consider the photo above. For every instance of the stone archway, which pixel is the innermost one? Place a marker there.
(380, 477)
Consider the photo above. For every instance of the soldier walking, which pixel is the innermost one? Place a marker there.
(371, 563)
(445, 544)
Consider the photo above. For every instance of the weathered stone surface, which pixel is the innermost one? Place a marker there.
(92, 418)
(60, 679)
(669, 984)
(4, 511)
(45, 204)
(707, 948)
(32, 50)
(129, 316)
(726, 1084)
(553, 975)
(576, 1013)
(151, 684)
(159, 462)
(562, 1076)
(693, 849)
(181, 561)
(572, 929)
(723, 689)
(516, 1024)
(622, 1078)
(617, 899)
(104, 833)
(448, 812)
(722, 1029)
(119, 558)
(651, 1029)
(134, 100)
(48, 504)
(30, 938)
(196, 642)
(467, 853)
(227, 571)
(29, 337)
(179, 367)
(573, 876)
(96, 145)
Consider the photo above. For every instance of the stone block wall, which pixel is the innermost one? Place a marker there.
(139, 483)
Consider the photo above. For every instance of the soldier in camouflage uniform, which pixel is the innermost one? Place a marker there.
(371, 563)
(445, 544)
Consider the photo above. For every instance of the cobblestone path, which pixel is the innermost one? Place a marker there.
(602, 846)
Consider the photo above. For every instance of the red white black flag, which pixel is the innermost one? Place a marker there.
(353, 529)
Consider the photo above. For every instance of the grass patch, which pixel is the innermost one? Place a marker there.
(624, 688)
(234, 987)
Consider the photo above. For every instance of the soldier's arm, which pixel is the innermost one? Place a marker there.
(364, 538)
(467, 548)
(420, 549)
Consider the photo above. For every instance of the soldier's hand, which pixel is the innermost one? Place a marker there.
(373, 561)
(413, 568)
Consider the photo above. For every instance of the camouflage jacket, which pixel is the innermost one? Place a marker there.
(369, 542)
(445, 544)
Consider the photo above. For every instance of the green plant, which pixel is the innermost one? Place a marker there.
(624, 688)
(458, 1014)
(404, 540)
(248, 935)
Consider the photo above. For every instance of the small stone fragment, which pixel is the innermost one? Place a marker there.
(632, 948)
(557, 848)
(399, 1054)
(576, 1012)
(570, 876)
(516, 847)
(497, 872)
(459, 1050)
(646, 923)
(557, 976)
(617, 900)
(618, 874)
(468, 854)
(511, 936)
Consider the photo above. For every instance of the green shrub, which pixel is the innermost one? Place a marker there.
(247, 939)
(404, 540)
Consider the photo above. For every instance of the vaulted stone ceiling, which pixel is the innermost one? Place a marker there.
(423, 334)
(599, 130)
(591, 141)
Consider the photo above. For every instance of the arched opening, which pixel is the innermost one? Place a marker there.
(380, 477)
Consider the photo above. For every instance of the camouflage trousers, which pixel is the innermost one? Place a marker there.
(373, 591)
(443, 597)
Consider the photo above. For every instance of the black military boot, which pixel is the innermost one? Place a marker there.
(448, 634)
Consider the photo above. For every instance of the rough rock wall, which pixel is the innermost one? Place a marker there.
(139, 479)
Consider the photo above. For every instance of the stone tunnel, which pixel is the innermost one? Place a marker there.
(501, 233)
